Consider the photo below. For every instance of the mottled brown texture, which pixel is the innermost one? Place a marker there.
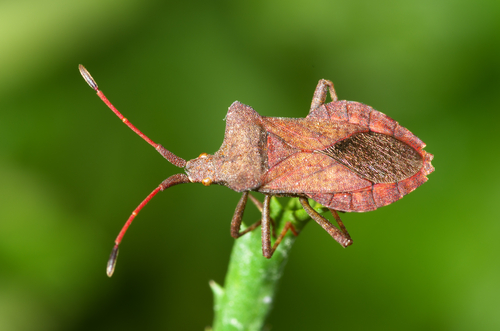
(308, 134)
(241, 161)
(308, 172)
(277, 150)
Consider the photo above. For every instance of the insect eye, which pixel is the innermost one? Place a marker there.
(203, 155)
(206, 181)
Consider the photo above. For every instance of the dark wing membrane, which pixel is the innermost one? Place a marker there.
(376, 157)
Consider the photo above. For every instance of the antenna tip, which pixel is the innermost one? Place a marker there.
(112, 261)
(88, 78)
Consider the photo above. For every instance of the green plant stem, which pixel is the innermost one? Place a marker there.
(251, 281)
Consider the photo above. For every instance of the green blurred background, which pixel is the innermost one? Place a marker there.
(71, 173)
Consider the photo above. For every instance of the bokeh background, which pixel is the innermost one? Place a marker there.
(71, 173)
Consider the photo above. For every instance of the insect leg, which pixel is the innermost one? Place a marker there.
(256, 202)
(266, 222)
(238, 216)
(320, 93)
(259, 206)
(267, 251)
(341, 224)
(266, 229)
(288, 226)
(342, 237)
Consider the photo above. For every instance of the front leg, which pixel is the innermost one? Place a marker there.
(238, 217)
(267, 250)
(320, 94)
(265, 220)
(266, 228)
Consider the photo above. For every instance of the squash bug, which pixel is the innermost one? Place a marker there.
(345, 155)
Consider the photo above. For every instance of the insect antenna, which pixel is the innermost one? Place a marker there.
(171, 157)
(170, 181)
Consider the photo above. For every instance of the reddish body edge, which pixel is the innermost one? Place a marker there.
(376, 195)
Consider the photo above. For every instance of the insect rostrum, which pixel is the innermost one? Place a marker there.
(345, 155)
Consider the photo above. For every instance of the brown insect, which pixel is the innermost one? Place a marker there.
(345, 155)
